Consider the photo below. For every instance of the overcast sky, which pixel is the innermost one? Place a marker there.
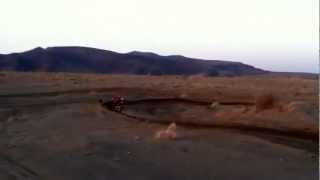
(281, 35)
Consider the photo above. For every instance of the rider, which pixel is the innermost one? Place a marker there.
(117, 103)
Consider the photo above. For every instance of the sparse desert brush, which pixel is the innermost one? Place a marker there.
(301, 106)
(183, 95)
(265, 101)
(214, 105)
(169, 133)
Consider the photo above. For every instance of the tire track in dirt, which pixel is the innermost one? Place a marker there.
(16, 170)
(67, 92)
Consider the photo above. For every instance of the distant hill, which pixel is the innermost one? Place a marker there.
(91, 60)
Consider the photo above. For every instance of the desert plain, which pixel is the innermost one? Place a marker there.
(52, 127)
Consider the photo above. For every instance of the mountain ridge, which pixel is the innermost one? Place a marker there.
(92, 60)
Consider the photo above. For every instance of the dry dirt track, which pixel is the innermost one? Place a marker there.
(70, 136)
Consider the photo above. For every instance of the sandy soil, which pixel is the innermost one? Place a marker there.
(52, 127)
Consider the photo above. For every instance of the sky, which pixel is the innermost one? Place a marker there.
(278, 35)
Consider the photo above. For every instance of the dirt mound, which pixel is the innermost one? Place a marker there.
(169, 133)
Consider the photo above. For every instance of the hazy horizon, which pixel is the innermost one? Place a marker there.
(273, 35)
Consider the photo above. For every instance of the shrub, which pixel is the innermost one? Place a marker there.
(265, 101)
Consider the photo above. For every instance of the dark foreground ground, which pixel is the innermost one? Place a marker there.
(68, 135)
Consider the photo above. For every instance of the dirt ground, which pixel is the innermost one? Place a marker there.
(52, 127)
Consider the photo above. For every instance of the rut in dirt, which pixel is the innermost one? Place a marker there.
(195, 114)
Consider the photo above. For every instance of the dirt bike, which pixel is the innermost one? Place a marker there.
(117, 108)
(113, 106)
